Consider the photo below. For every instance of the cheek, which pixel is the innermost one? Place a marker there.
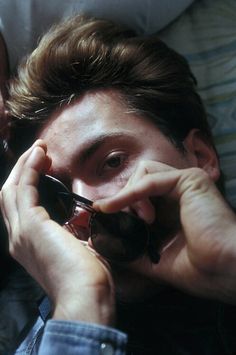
(97, 191)
(109, 186)
(177, 162)
(182, 161)
(171, 156)
(108, 189)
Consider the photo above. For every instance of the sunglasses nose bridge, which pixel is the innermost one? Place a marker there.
(82, 215)
(79, 223)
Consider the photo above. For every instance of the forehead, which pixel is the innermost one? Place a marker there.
(95, 120)
(91, 111)
(101, 112)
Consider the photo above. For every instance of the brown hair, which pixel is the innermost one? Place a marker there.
(83, 54)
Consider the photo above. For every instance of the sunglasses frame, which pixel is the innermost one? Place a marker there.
(86, 204)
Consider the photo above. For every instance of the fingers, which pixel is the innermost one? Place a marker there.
(14, 195)
(8, 207)
(17, 170)
(151, 185)
(3, 213)
(150, 179)
(46, 250)
(145, 210)
(27, 193)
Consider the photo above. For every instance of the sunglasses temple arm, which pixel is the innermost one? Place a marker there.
(80, 201)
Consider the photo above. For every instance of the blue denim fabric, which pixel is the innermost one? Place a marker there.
(64, 337)
(173, 324)
(30, 345)
(72, 338)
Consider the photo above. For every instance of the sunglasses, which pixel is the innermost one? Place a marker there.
(118, 237)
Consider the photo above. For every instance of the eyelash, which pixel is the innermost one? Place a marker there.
(123, 160)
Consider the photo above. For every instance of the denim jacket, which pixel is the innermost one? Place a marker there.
(173, 324)
(48, 337)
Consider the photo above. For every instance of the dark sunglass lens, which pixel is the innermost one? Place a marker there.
(55, 198)
(119, 237)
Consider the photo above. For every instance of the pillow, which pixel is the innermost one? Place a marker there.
(206, 35)
(22, 22)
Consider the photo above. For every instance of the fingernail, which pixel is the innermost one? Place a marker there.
(37, 142)
(96, 206)
(147, 217)
(40, 143)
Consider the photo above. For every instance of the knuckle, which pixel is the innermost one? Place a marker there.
(21, 159)
(196, 169)
(13, 247)
(143, 165)
(141, 169)
(199, 173)
(7, 192)
(195, 179)
(14, 251)
(3, 191)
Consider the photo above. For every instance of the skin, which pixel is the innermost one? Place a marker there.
(130, 162)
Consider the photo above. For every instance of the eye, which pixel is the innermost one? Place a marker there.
(113, 161)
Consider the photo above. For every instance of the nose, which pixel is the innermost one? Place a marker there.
(94, 192)
(81, 188)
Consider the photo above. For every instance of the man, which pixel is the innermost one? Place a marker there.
(118, 120)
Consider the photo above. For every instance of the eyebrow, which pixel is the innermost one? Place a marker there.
(95, 143)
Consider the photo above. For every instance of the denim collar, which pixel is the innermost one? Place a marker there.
(45, 308)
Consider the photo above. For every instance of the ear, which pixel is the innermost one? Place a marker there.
(202, 154)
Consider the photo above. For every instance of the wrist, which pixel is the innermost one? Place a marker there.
(91, 307)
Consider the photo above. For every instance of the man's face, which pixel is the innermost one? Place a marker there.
(97, 142)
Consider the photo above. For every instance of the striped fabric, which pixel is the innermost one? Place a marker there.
(206, 35)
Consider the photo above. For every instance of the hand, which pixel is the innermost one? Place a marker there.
(201, 257)
(76, 280)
